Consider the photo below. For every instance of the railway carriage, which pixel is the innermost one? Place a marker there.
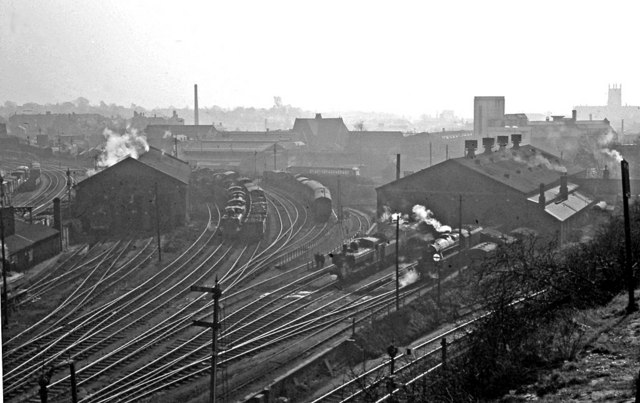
(318, 196)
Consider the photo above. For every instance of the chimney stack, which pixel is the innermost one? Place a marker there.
(605, 173)
(195, 105)
(397, 166)
(574, 115)
(503, 141)
(487, 143)
(470, 147)
(542, 201)
(564, 187)
(516, 139)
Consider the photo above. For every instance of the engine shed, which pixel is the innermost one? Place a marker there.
(508, 188)
(122, 198)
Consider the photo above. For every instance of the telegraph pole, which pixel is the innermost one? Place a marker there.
(68, 193)
(158, 223)
(626, 193)
(5, 311)
(340, 215)
(397, 266)
(216, 293)
(460, 246)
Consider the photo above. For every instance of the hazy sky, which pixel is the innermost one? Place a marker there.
(402, 57)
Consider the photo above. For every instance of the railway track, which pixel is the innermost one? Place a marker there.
(116, 336)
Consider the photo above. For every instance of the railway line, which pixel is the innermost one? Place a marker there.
(143, 323)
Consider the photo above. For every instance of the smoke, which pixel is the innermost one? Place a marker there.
(386, 214)
(538, 159)
(604, 141)
(167, 134)
(119, 146)
(409, 277)
(422, 214)
(91, 172)
(612, 153)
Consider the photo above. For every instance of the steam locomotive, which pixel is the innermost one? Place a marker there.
(245, 213)
(431, 251)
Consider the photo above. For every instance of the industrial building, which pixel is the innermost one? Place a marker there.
(506, 188)
(322, 134)
(625, 118)
(122, 198)
(27, 244)
(248, 157)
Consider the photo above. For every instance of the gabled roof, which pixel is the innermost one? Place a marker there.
(167, 164)
(319, 127)
(522, 169)
(562, 210)
(27, 235)
(157, 160)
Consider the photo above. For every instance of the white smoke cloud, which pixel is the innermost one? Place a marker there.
(422, 214)
(409, 277)
(167, 134)
(612, 153)
(386, 214)
(91, 172)
(606, 138)
(604, 141)
(119, 146)
(537, 160)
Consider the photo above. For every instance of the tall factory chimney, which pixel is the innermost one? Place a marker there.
(397, 166)
(487, 143)
(196, 121)
(516, 139)
(503, 141)
(470, 147)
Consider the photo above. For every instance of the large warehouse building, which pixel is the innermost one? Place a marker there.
(509, 188)
(120, 198)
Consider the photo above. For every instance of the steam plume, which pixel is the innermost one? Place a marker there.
(537, 160)
(386, 214)
(425, 215)
(613, 154)
(119, 146)
(409, 277)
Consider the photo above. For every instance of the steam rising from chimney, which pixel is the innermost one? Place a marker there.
(604, 141)
(538, 159)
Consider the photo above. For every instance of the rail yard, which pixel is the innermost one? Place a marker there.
(125, 319)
